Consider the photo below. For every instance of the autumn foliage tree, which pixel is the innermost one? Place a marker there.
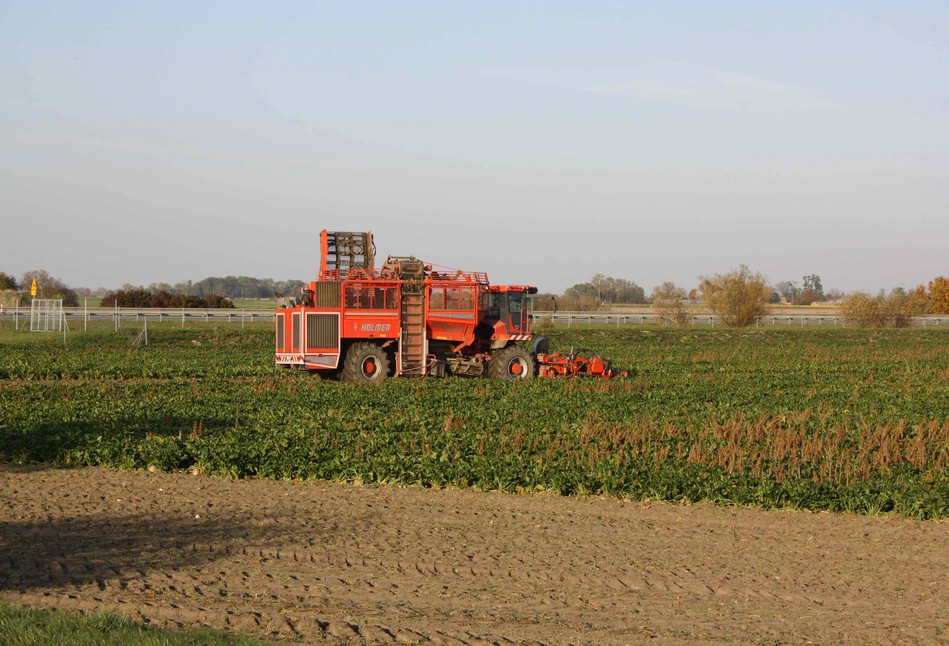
(737, 297)
(806, 297)
(939, 295)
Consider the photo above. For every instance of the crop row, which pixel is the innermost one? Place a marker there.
(841, 420)
(216, 351)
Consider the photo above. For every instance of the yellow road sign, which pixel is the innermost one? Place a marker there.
(33, 288)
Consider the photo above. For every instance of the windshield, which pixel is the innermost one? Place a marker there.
(515, 301)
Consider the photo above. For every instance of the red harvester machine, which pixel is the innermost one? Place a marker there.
(408, 318)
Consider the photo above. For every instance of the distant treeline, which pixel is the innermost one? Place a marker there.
(46, 287)
(140, 297)
(212, 289)
(228, 286)
(594, 294)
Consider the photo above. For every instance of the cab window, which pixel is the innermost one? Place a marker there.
(371, 298)
(491, 304)
(452, 298)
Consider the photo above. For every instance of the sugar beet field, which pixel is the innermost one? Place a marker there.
(190, 484)
(820, 419)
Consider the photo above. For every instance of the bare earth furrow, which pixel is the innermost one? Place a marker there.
(337, 564)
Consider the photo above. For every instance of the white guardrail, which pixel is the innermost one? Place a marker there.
(595, 318)
(195, 315)
(152, 315)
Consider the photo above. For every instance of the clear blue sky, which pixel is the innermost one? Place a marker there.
(542, 142)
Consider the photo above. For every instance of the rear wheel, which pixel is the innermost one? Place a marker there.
(513, 362)
(365, 362)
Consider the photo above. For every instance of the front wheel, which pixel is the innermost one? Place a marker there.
(513, 362)
(365, 363)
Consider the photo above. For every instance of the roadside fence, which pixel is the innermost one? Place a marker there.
(20, 316)
(72, 315)
(582, 318)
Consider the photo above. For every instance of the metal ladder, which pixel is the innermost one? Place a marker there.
(412, 342)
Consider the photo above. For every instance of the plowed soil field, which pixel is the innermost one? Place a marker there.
(332, 563)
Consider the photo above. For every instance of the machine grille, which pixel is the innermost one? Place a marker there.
(327, 294)
(296, 334)
(322, 331)
(281, 332)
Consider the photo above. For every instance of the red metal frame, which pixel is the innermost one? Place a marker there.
(562, 365)
(455, 328)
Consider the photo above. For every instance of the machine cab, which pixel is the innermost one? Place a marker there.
(509, 309)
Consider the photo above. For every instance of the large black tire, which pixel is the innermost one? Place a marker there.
(513, 362)
(365, 363)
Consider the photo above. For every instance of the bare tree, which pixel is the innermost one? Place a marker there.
(49, 287)
(599, 281)
(907, 305)
(737, 297)
(895, 309)
(545, 303)
(788, 290)
(668, 301)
